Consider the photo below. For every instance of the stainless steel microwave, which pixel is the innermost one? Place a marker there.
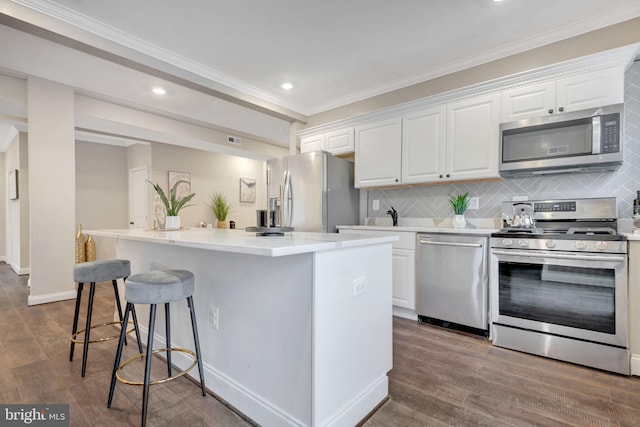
(580, 141)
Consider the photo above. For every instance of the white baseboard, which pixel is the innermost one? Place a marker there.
(44, 299)
(405, 313)
(357, 409)
(19, 270)
(635, 364)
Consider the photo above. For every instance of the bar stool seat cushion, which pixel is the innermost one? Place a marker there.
(159, 287)
(102, 270)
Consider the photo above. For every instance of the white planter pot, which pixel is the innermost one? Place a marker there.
(459, 221)
(172, 223)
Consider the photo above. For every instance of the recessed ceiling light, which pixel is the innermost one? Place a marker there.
(287, 86)
(158, 90)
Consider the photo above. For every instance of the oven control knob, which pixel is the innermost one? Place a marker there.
(601, 246)
(523, 243)
(581, 244)
(550, 244)
(507, 242)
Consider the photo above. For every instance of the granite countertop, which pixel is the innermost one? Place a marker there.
(240, 241)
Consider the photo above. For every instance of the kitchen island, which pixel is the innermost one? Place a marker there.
(294, 330)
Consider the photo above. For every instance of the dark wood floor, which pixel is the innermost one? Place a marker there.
(440, 378)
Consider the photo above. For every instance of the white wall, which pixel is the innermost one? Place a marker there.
(210, 172)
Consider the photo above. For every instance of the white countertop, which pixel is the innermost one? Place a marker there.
(419, 229)
(240, 241)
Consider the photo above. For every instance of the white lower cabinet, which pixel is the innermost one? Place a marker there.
(404, 268)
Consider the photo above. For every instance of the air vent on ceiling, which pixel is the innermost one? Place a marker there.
(235, 140)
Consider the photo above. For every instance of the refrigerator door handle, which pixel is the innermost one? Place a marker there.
(288, 199)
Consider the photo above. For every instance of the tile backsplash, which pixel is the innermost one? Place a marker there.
(433, 201)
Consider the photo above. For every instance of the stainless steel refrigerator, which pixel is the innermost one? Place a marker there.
(312, 192)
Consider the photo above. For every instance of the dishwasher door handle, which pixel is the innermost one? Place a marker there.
(437, 243)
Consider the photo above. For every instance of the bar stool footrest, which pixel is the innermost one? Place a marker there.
(164, 380)
(76, 340)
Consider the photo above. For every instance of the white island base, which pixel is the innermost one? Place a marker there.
(304, 328)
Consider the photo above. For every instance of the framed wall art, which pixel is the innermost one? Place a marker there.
(184, 188)
(247, 190)
(13, 184)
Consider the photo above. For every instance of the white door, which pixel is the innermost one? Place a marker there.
(138, 201)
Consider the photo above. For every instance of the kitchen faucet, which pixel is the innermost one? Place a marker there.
(394, 216)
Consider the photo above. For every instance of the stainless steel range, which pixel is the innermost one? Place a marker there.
(558, 282)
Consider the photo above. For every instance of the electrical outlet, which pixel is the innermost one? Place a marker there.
(359, 286)
(474, 203)
(376, 205)
(214, 317)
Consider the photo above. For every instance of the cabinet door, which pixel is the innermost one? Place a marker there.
(594, 89)
(528, 101)
(340, 141)
(312, 143)
(378, 153)
(404, 286)
(473, 138)
(423, 139)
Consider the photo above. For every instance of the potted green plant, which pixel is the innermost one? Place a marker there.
(459, 203)
(221, 208)
(172, 204)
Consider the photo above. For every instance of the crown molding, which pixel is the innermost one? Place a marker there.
(620, 57)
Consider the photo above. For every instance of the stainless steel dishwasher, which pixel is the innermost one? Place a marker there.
(452, 281)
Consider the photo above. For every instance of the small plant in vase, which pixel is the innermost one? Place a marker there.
(220, 207)
(171, 204)
(459, 203)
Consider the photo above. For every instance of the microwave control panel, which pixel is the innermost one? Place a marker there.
(610, 135)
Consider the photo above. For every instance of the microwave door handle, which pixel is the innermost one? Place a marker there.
(596, 129)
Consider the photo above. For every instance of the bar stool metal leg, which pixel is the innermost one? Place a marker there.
(123, 333)
(87, 332)
(75, 320)
(168, 336)
(147, 366)
(135, 325)
(117, 295)
(196, 341)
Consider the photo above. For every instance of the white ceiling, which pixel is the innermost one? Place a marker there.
(334, 52)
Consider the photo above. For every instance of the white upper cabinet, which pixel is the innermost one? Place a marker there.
(473, 135)
(312, 143)
(378, 153)
(335, 142)
(453, 142)
(340, 141)
(594, 89)
(423, 145)
(573, 93)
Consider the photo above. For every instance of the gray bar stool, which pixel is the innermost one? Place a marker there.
(94, 272)
(157, 287)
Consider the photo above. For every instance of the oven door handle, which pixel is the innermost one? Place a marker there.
(466, 245)
(558, 256)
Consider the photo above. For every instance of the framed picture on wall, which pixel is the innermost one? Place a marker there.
(247, 190)
(184, 187)
(13, 184)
